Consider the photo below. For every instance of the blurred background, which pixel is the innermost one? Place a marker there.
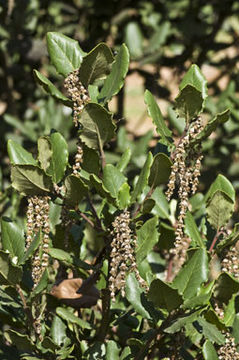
(164, 38)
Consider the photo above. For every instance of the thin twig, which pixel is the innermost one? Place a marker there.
(218, 233)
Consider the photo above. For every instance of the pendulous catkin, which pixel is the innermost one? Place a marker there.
(185, 170)
(77, 93)
(38, 220)
(228, 351)
(122, 255)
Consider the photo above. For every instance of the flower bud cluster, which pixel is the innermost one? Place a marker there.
(78, 94)
(185, 169)
(230, 261)
(122, 255)
(38, 219)
(229, 350)
(78, 160)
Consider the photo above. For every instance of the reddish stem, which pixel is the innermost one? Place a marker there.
(218, 233)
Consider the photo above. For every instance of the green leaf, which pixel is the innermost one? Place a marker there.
(61, 255)
(134, 295)
(101, 189)
(58, 331)
(23, 128)
(59, 159)
(192, 231)
(9, 273)
(50, 88)
(211, 126)
(147, 237)
(124, 160)
(33, 246)
(22, 342)
(181, 322)
(193, 274)
(98, 127)
(71, 318)
(18, 155)
(219, 209)
(124, 196)
(115, 80)
(209, 352)
(203, 297)
(112, 350)
(156, 115)
(134, 39)
(96, 65)
(113, 179)
(44, 152)
(164, 296)
(75, 190)
(143, 178)
(193, 92)
(30, 180)
(12, 238)
(211, 332)
(229, 240)
(160, 170)
(65, 53)
(225, 287)
(222, 184)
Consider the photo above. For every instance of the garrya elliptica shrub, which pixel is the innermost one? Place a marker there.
(120, 256)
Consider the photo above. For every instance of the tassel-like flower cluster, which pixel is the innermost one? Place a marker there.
(229, 350)
(230, 262)
(38, 219)
(78, 94)
(186, 170)
(122, 255)
(78, 160)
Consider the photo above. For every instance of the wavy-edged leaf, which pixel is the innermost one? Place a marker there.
(18, 155)
(209, 352)
(65, 53)
(225, 287)
(156, 115)
(58, 330)
(30, 180)
(96, 65)
(112, 350)
(50, 88)
(219, 209)
(101, 189)
(183, 321)
(75, 190)
(124, 160)
(223, 184)
(21, 341)
(229, 240)
(192, 95)
(115, 80)
(59, 158)
(211, 332)
(143, 178)
(124, 196)
(44, 152)
(113, 179)
(160, 170)
(147, 237)
(12, 238)
(164, 296)
(192, 231)
(133, 295)
(97, 124)
(71, 318)
(193, 274)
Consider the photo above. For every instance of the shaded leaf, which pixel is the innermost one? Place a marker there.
(182, 321)
(71, 318)
(229, 240)
(75, 190)
(18, 155)
(59, 159)
(221, 184)
(225, 287)
(101, 189)
(209, 352)
(156, 115)
(12, 238)
(193, 274)
(65, 53)
(61, 255)
(143, 178)
(96, 65)
(30, 180)
(9, 273)
(44, 152)
(50, 88)
(41, 285)
(192, 231)
(147, 237)
(211, 332)
(124, 160)
(160, 170)
(133, 295)
(164, 296)
(22, 342)
(219, 209)
(203, 297)
(98, 127)
(134, 39)
(115, 80)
